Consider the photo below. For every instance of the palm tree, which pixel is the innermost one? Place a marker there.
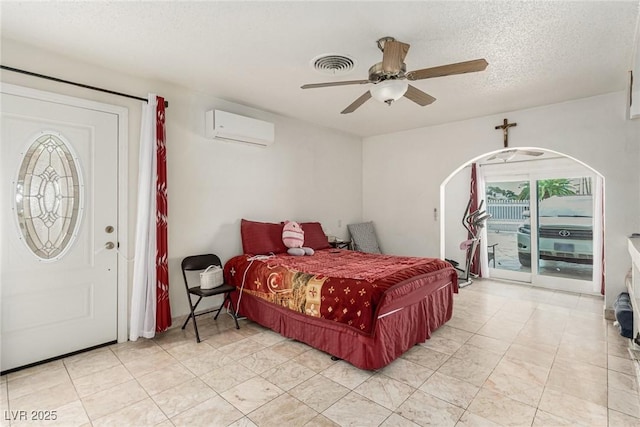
(548, 188)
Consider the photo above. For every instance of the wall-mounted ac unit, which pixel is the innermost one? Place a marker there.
(223, 125)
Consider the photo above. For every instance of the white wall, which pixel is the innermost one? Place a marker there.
(310, 173)
(456, 200)
(402, 172)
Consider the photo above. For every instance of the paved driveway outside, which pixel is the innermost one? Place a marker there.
(507, 259)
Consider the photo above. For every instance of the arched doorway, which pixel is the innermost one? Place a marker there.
(547, 213)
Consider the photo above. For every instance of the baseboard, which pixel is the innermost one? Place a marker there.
(609, 314)
(635, 357)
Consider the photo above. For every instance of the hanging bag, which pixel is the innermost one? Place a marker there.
(211, 277)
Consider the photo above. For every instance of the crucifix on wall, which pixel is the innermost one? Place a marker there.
(505, 130)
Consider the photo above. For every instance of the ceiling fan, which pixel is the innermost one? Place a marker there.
(390, 76)
(507, 155)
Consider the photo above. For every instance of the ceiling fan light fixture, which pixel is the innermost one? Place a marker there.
(389, 76)
(389, 90)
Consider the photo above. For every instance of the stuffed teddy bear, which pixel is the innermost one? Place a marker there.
(293, 238)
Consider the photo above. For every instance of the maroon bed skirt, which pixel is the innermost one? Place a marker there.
(407, 315)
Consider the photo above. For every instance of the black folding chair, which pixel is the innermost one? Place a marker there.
(201, 262)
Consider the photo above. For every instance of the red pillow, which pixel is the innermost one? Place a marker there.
(261, 238)
(314, 237)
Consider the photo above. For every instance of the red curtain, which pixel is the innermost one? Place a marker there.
(163, 309)
(473, 195)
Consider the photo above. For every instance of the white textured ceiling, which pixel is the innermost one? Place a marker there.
(258, 53)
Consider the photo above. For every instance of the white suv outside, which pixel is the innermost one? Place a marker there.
(565, 231)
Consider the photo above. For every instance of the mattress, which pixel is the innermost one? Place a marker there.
(338, 285)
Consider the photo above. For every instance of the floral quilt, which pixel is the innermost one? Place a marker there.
(340, 285)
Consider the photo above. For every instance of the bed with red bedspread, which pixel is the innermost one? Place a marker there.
(367, 309)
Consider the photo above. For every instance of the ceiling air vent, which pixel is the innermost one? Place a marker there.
(333, 64)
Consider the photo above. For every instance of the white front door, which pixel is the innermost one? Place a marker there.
(59, 214)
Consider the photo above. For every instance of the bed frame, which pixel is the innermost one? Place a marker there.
(407, 315)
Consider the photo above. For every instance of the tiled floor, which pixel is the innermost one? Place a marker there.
(511, 355)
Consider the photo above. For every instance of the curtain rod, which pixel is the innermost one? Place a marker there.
(55, 79)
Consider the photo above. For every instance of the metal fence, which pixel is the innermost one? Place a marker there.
(505, 214)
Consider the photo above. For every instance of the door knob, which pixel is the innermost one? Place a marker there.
(109, 245)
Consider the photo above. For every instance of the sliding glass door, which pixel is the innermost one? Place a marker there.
(545, 229)
(565, 232)
(508, 214)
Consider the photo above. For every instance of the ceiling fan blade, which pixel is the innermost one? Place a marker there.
(328, 84)
(418, 96)
(502, 155)
(530, 153)
(448, 70)
(393, 56)
(509, 154)
(358, 102)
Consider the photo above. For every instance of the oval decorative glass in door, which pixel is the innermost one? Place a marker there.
(48, 196)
